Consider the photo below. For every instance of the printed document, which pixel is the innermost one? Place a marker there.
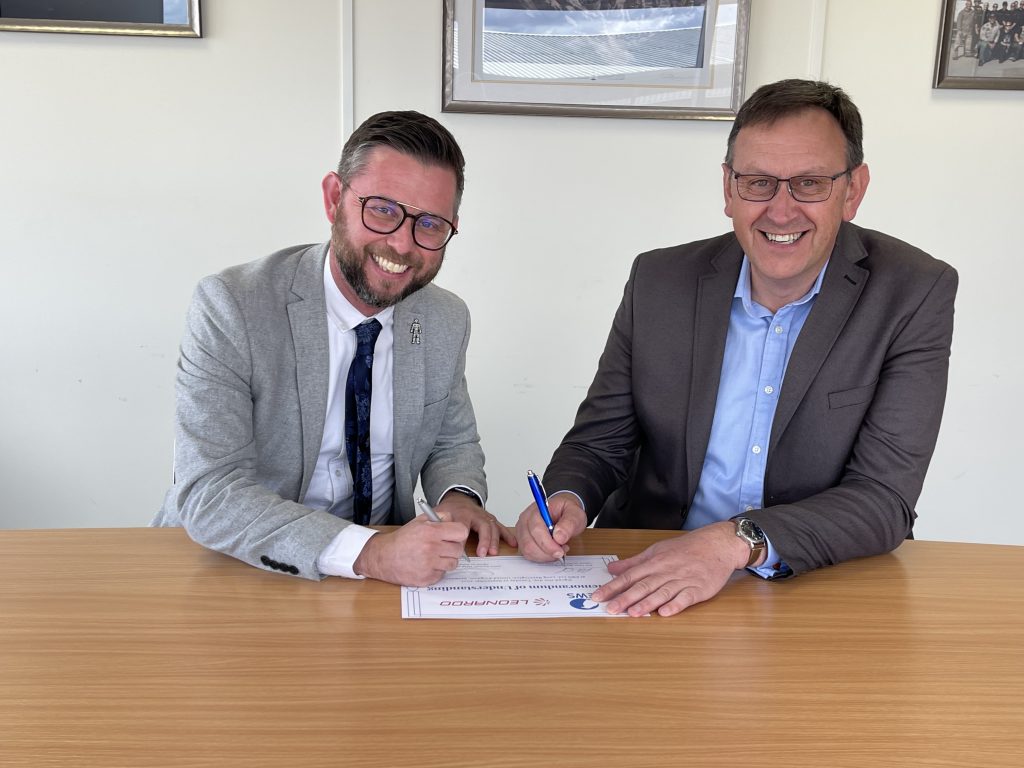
(512, 587)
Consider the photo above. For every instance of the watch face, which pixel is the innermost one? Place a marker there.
(750, 531)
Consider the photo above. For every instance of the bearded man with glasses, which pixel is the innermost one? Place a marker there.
(318, 385)
(774, 393)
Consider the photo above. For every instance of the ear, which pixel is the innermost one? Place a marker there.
(859, 179)
(332, 189)
(727, 189)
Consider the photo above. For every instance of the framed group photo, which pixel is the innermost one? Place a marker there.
(677, 59)
(981, 45)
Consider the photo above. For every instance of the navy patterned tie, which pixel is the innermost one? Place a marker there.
(357, 421)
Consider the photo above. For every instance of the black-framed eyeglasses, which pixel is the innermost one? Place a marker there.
(759, 188)
(384, 216)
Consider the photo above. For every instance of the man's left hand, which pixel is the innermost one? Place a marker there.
(460, 508)
(674, 574)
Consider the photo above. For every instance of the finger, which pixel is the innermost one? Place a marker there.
(508, 535)
(534, 538)
(571, 522)
(609, 590)
(432, 576)
(667, 600)
(626, 588)
(486, 534)
(684, 599)
(453, 532)
(532, 546)
(615, 567)
(627, 601)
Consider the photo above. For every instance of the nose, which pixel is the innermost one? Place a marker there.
(783, 206)
(401, 240)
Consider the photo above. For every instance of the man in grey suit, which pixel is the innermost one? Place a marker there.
(776, 392)
(296, 414)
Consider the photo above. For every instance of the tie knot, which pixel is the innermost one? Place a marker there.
(366, 334)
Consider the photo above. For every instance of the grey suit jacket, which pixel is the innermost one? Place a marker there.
(252, 397)
(857, 417)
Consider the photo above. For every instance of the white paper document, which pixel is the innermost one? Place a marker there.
(512, 587)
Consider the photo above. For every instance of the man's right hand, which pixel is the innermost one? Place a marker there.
(416, 555)
(536, 543)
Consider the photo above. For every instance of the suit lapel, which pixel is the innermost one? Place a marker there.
(840, 289)
(409, 378)
(308, 318)
(715, 289)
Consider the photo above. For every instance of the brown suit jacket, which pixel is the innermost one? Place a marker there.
(857, 417)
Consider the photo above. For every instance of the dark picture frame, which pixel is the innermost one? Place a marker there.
(490, 67)
(160, 18)
(961, 62)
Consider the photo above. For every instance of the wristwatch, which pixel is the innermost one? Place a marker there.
(749, 531)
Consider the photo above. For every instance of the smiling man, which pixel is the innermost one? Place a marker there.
(318, 385)
(775, 392)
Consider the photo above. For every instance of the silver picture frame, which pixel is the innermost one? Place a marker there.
(693, 70)
(184, 15)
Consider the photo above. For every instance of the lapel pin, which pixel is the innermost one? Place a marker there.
(414, 332)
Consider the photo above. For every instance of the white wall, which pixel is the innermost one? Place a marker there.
(117, 197)
(130, 168)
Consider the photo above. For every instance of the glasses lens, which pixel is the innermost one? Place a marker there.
(382, 215)
(431, 231)
(811, 189)
(757, 188)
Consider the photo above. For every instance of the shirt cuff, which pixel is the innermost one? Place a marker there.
(341, 554)
(574, 495)
(773, 567)
(462, 489)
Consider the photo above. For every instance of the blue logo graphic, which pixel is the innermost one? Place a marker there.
(583, 604)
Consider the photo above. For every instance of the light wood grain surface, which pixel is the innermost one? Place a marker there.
(137, 647)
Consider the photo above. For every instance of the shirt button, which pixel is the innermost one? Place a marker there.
(756, 449)
(337, 473)
(778, 329)
(769, 389)
(748, 508)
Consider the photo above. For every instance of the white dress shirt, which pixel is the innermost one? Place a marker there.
(330, 488)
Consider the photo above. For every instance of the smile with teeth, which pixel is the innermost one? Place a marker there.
(787, 239)
(389, 266)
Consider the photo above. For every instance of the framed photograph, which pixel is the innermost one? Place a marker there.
(981, 45)
(164, 18)
(677, 59)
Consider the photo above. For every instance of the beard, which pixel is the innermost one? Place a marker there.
(353, 263)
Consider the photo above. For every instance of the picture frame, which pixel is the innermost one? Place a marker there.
(961, 61)
(161, 18)
(669, 59)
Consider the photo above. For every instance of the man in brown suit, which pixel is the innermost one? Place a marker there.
(775, 392)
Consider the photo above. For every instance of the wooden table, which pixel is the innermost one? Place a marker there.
(137, 647)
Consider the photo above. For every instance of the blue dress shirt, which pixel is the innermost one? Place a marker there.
(757, 350)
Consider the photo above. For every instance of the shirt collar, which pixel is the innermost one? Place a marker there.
(743, 291)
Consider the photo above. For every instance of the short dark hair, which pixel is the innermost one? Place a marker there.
(789, 97)
(410, 133)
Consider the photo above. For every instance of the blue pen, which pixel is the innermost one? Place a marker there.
(542, 503)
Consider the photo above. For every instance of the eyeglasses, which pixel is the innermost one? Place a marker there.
(384, 216)
(758, 188)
